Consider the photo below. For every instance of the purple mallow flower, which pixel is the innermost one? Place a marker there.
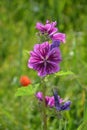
(48, 99)
(50, 29)
(44, 59)
(61, 107)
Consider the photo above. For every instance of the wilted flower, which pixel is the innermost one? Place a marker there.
(25, 81)
(44, 59)
(48, 99)
(58, 105)
(55, 44)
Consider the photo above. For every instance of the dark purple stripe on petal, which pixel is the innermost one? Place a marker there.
(55, 55)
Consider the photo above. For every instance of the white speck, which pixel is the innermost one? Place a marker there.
(71, 53)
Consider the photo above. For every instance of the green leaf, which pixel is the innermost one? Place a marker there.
(29, 90)
(83, 126)
(62, 73)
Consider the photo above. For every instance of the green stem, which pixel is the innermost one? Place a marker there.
(44, 116)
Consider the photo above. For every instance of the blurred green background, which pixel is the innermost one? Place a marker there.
(17, 34)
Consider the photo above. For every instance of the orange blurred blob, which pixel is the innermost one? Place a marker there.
(25, 81)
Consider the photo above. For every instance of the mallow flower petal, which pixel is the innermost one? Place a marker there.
(59, 36)
(40, 26)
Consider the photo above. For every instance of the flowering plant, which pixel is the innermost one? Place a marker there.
(45, 58)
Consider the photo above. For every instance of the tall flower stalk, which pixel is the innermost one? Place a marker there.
(44, 115)
(45, 58)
